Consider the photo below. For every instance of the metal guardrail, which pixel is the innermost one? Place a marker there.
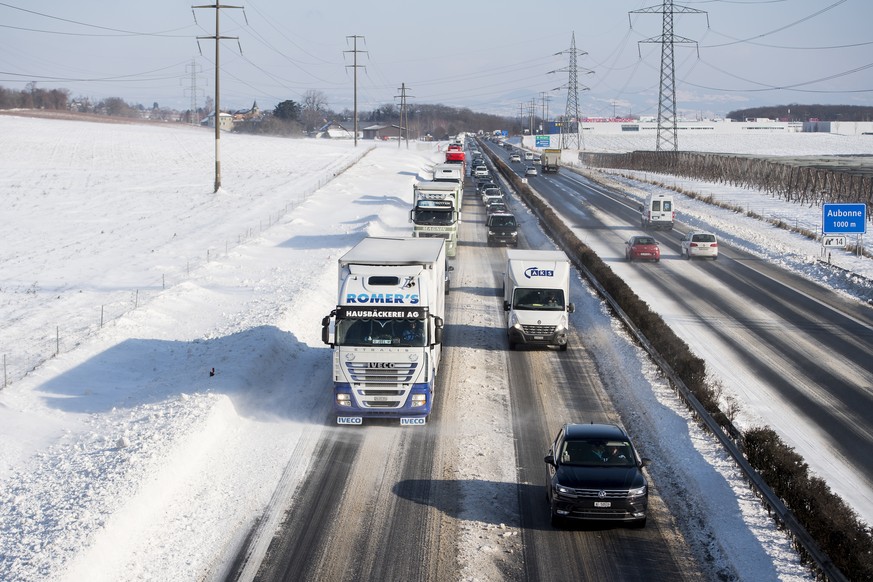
(774, 503)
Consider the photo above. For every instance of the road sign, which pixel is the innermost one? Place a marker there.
(543, 141)
(844, 218)
(836, 240)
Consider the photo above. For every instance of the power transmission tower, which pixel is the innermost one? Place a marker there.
(217, 38)
(195, 91)
(667, 122)
(569, 137)
(355, 67)
(403, 112)
(531, 110)
(544, 95)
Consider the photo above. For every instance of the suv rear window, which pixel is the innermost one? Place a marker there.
(703, 238)
(498, 220)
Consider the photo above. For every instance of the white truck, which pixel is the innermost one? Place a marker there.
(536, 292)
(451, 173)
(386, 330)
(550, 160)
(436, 212)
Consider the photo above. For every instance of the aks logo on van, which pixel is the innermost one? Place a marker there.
(532, 272)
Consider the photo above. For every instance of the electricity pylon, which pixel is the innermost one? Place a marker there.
(667, 122)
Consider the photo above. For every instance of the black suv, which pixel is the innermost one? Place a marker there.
(502, 229)
(594, 473)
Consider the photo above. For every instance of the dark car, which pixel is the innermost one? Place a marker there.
(497, 208)
(642, 248)
(502, 229)
(485, 183)
(594, 473)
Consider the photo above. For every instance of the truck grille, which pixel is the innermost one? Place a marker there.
(399, 373)
(539, 329)
(431, 234)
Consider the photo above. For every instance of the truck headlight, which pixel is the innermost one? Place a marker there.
(344, 399)
(418, 400)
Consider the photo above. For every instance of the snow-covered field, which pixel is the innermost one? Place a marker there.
(126, 281)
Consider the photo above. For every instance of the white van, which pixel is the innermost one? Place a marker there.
(658, 211)
(536, 298)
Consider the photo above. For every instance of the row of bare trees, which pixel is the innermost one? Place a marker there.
(804, 184)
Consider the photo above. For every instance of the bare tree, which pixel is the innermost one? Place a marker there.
(314, 109)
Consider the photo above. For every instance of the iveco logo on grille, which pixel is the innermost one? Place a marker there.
(380, 365)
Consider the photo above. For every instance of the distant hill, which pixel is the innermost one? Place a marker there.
(796, 112)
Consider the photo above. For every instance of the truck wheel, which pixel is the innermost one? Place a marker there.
(563, 347)
(511, 345)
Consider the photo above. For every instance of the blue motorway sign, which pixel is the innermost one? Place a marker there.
(543, 141)
(844, 218)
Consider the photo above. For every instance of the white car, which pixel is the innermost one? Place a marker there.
(700, 244)
(528, 155)
(515, 158)
(531, 171)
(481, 172)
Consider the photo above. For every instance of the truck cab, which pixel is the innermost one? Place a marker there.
(436, 212)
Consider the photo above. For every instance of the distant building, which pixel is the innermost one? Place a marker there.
(382, 131)
(225, 120)
(333, 130)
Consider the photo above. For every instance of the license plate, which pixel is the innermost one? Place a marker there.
(539, 337)
(349, 420)
(602, 504)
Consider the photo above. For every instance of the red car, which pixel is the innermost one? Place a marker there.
(642, 248)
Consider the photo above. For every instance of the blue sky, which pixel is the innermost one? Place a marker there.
(487, 56)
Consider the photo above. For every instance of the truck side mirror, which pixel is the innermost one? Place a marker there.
(506, 306)
(437, 330)
(550, 459)
(325, 330)
(571, 308)
(411, 214)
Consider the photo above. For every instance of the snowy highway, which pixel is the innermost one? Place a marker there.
(770, 336)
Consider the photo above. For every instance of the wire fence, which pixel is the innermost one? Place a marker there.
(31, 350)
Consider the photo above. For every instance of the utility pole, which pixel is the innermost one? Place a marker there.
(217, 38)
(667, 122)
(355, 66)
(403, 112)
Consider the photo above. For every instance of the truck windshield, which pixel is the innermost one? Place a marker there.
(381, 332)
(433, 217)
(539, 299)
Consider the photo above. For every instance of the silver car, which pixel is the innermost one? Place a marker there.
(700, 244)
